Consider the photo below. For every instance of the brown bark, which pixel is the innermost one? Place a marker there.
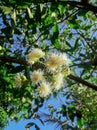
(80, 80)
(80, 5)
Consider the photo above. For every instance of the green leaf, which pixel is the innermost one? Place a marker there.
(7, 79)
(37, 15)
(82, 12)
(63, 110)
(73, 23)
(71, 107)
(21, 3)
(55, 94)
(56, 29)
(57, 44)
(29, 13)
(80, 123)
(13, 16)
(61, 9)
(55, 35)
(5, 9)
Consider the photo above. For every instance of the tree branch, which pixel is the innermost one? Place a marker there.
(79, 80)
(13, 60)
(88, 63)
(37, 65)
(80, 5)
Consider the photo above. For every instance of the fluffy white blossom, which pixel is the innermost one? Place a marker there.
(35, 55)
(54, 61)
(19, 79)
(58, 80)
(44, 89)
(37, 76)
(65, 59)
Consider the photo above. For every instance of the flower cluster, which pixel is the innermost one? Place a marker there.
(48, 76)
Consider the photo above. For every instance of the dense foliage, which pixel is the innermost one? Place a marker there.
(49, 48)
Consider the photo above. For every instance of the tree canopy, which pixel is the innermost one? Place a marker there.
(47, 48)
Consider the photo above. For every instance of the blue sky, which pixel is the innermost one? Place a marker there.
(21, 125)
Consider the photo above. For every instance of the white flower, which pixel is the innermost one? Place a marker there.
(37, 76)
(44, 89)
(19, 79)
(58, 80)
(35, 55)
(54, 61)
(64, 57)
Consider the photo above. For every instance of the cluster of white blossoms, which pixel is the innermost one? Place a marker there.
(49, 76)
